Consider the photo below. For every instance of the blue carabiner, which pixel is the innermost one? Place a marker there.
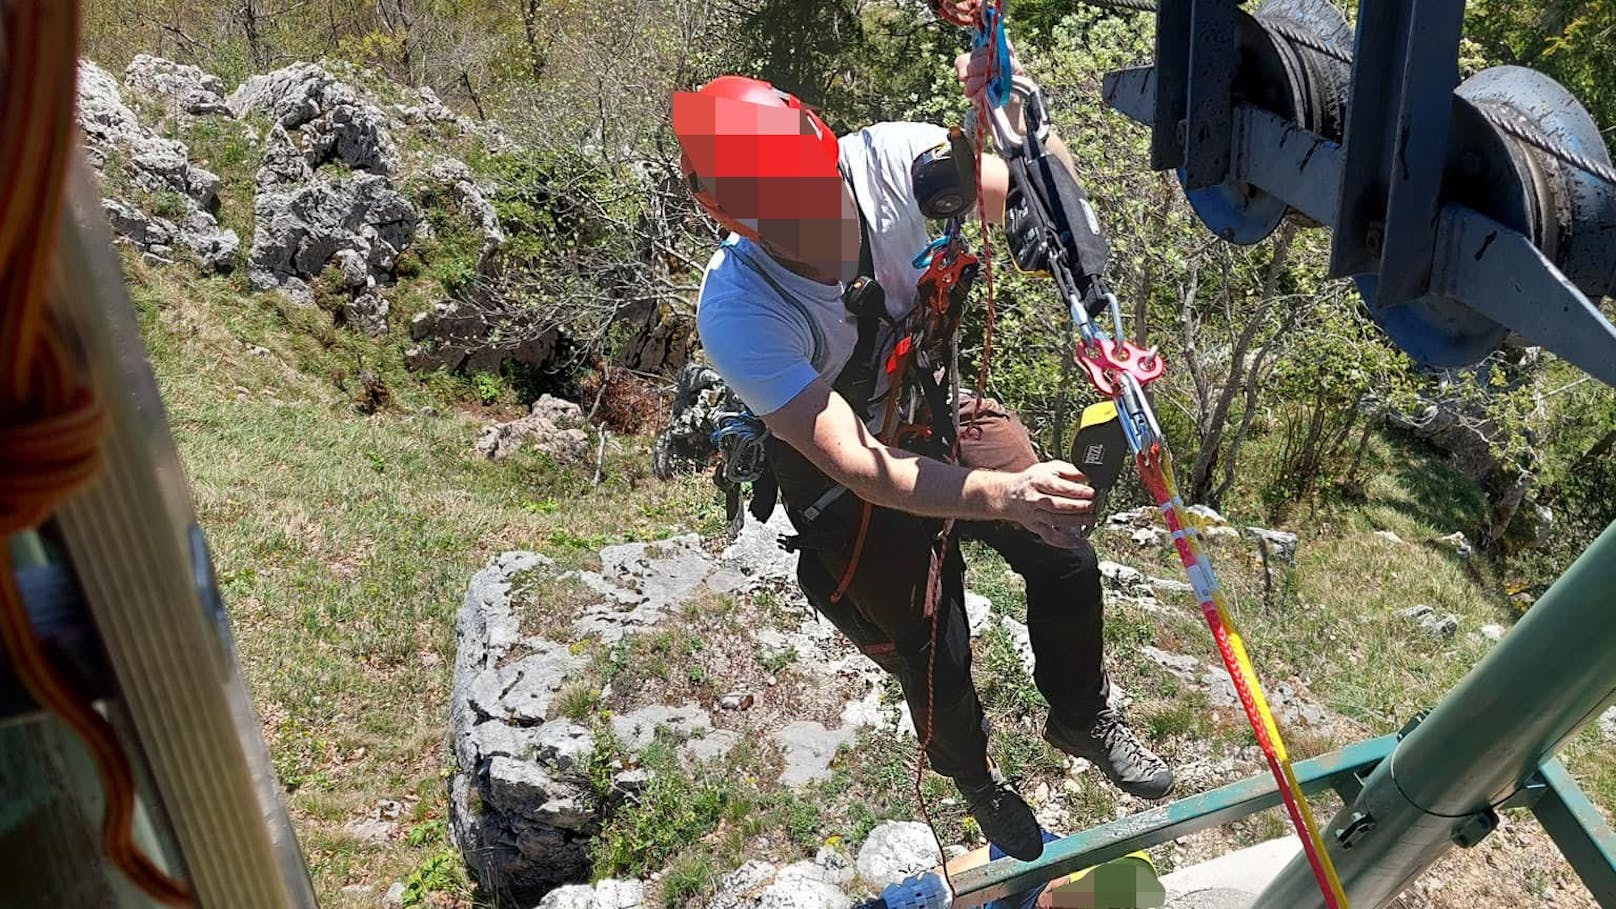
(998, 90)
(924, 259)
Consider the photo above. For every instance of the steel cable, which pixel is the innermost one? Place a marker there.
(1514, 128)
(1537, 139)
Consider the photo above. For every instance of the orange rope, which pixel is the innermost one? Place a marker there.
(50, 423)
(888, 417)
(934, 579)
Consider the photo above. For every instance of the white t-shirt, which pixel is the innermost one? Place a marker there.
(769, 346)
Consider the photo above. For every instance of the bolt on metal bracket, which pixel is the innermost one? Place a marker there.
(1358, 826)
(1474, 829)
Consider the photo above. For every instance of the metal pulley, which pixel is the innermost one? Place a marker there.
(1523, 153)
(1462, 215)
(1295, 61)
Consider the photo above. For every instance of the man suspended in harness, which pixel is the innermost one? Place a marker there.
(805, 311)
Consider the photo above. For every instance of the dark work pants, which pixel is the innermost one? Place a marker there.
(882, 610)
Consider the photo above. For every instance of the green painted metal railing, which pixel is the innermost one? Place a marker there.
(1339, 770)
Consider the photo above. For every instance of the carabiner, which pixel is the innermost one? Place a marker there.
(991, 31)
(926, 255)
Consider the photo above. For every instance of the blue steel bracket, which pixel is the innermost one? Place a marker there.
(1269, 152)
(1132, 92)
(996, 880)
(1297, 166)
(1577, 827)
(1423, 101)
(1477, 265)
(1209, 133)
(1377, 74)
(1170, 92)
(1500, 274)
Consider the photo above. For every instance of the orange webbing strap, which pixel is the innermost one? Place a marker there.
(1155, 468)
(889, 418)
(50, 423)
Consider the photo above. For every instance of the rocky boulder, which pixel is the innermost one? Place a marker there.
(333, 122)
(521, 808)
(430, 110)
(1455, 421)
(896, 850)
(1457, 542)
(800, 885)
(158, 238)
(337, 238)
(686, 444)
(1431, 622)
(474, 336)
(1275, 544)
(607, 894)
(551, 427)
(102, 115)
(159, 202)
(299, 230)
(185, 89)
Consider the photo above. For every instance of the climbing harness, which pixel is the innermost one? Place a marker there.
(1060, 235)
(918, 407)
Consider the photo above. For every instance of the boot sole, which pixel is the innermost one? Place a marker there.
(1028, 845)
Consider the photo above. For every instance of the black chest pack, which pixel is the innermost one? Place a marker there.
(866, 301)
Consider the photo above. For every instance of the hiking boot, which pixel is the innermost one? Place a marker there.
(1005, 819)
(1111, 746)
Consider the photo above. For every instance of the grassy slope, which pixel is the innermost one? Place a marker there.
(344, 543)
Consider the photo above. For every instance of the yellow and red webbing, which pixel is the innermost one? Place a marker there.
(1155, 468)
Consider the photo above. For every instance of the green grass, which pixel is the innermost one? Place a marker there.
(677, 807)
(775, 661)
(344, 541)
(690, 879)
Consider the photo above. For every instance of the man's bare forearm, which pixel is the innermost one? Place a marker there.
(1057, 147)
(904, 481)
(821, 426)
(1049, 499)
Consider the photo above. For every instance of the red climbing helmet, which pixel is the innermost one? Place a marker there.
(752, 153)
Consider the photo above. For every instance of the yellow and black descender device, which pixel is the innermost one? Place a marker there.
(1100, 450)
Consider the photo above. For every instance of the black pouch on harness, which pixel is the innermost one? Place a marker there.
(1060, 221)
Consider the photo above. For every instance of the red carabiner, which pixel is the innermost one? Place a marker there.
(958, 12)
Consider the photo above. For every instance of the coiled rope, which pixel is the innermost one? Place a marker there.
(50, 422)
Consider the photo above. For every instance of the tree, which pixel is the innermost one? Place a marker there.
(1571, 40)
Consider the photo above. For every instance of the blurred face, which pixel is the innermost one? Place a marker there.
(824, 244)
